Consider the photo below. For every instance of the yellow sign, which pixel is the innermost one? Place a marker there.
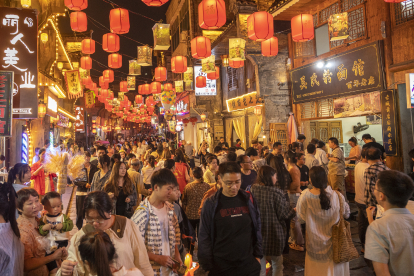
(73, 84)
(242, 102)
(89, 99)
(73, 46)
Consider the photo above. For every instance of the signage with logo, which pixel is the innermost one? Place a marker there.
(409, 84)
(52, 105)
(63, 120)
(389, 122)
(353, 72)
(18, 49)
(6, 103)
(242, 102)
(182, 106)
(80, 121)
(210, 89)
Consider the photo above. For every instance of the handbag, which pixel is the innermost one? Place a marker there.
(343, 247)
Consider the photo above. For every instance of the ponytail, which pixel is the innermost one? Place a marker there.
(19, 169)
(151, 161)
(8, 206)
(319, 180)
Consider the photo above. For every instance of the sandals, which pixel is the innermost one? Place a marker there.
(296, 247)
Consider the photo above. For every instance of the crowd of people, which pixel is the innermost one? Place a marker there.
(143, 204)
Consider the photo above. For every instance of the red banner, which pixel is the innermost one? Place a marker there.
(6, 102)
(80, 119)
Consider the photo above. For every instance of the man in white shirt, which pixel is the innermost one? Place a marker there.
(320, 155)
(310, 160)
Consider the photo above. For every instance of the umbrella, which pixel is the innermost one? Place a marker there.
(102, 142)
(292, 128)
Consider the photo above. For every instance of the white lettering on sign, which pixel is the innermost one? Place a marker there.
(181, 106)
(52, 104)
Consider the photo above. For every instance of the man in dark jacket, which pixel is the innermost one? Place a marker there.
(83, 185)
(230, 239)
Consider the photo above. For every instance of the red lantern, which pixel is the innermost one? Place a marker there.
(155, 87)
(154, 3)
(102, 83)
(260, 26)
(168, 87)
(214, 75)
(270, 47)
(111, 95)
(160, 74)
(87, 81)
(93, 86)
(258, 110)
(110, 43)
(146, 89)
(78, 21)
(138, 99)
(302, 28)
(108, 75)
(149, 100)
(86, 63)
(236, 64)
(115, 61)
(104, 93)
(186, 121)
(211, 14)
(76, 5)
(123, 86)
(179, 64)
(201, 82)
(88, 46)
(200, 47)
(394, 1)
(119, 21)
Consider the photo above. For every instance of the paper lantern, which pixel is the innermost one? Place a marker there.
(260, 26)
(208, 64)
(76, 5)
(144, 56)
(87, 81)
(225, 60)
(78, 21)
(146, 89)
(119, 21)
(236, 64)
(302, 28)
(160, 74)
(104, 93)
(168, 98)
(201, 82)
(123, 86)
(93, 86)
(186, 121)
(102, 83)
(200, 47)
(161, 33)
(94, 131)
(41, 110)
(179, 86)
(88, 46)
(203, 117)
(26, 3)
(168, 86)
(134, 68)
(110, 43)
(138, 99)
(211, 14)
(394, 1)
(155, 87)
(214, 75)
(108, 75)
(179, 64)
(115, 61)
(270, 47)
(86, 63)
(44, 37)
(154, 3)
(237, 49)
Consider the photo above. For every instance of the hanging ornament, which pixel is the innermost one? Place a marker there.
(88, 46)
(270, 47)
(155, 87)
(260, 26)
(76, 5)
(189, 75)
(200, 47)
(160, 74)
(236, 64)
(134, 68)
(87, 80)
(102, 83)
(144, 56)
(179, 86)
(161, 34)
(201, 82)
(119, 21)
(168, 86)
(179, 64)
(86, 63)
(123, 86)
(44, 37)
(214, 75)
(154, 3)
(211, 14)
(237, 49)
(110, 43)
(146, 89)
(225, 60)
(115, 61)
(302, 28)
(138, 99)
(168, 98)
(78, 22)
(207, 64)
(108, 75)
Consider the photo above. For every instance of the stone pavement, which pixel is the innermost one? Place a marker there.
(69, 206)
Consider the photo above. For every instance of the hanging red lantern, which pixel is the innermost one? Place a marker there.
(123, 86)
(149, 100)
(93, 86)
(146, 89)
(108, 75)
(302, 28)
(160, 73)
(215, 75)
(258, 110)
(168, 87)
(260, 26)
(200, 47)
(119, 21)
(154, 3)
(87, 81)
(115, 61)
(236, 64)
(76, 5)
(140, 89)
(211, 14)
(155, 87)
(88, 46)
(186, 121)
(179, 64)
(270, 47)
(78, 21)
(102, 83)
(86, 63)
(138, 99)
(111, 95)
(110, 43)
(201, 82)
(394, 1)
(104, 93)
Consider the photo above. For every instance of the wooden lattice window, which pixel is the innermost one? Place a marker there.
(315, 20)
(305, 49)
(325, 108)
(318, 109)
(278, 133)
(325, 13)
(349, 4)
(308, 110)
(404, 12)
(232, 78)
(325, 130)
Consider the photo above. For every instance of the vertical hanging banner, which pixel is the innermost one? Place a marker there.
(18, 32)
(73, 84)
(89, 99)
(80, 122)
(131, 83)
(389, 122)
(338, 26)
(6, 103)
(134, 68)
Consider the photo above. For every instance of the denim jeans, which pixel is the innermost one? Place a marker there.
(362, 222)
(277, 265)
(295, 228)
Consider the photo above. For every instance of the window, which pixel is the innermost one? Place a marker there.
(278, 133)
(327, 129)
(322, 40)
(232, 78)
(175, 35)
(404, 12)
(317, 109)
(325, 13)
(181, 23)
(304, 49)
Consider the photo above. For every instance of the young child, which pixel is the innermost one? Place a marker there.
(55, 222)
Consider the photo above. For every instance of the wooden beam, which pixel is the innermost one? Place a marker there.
(405, 65)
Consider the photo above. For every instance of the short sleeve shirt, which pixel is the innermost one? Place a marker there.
(337, 168)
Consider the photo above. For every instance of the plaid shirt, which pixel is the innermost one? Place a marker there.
(274, 211)
(150, 228)
(192, 197)
(371, 176)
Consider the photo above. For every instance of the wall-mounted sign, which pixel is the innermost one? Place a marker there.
(73, 84)
(18, 32)
(357, 105)
(210, 89)
(80, 121)
(409, 84)
(338, 26)
(52, 105)
(242, 102)
(389, 122)
(63, 120)
(6, 103)
(73, 46)
(356, 71)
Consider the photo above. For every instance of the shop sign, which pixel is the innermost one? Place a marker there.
(18, 32)
(409, 84)
(131, 83)
(6, 103)
(356, 71)
(73, 84)
(52, 105)
(63, 120)
(73, 46)
(89, 99)
(358, 105)
(80, 121)
(242, 102)
(210, 89)
(182, 105)
(389, 122)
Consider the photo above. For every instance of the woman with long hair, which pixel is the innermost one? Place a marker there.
(19, 174)
(101, 177)
(319, 209)
(181, 170)
(274, 211)
(166, 154)
(43, 180)
(148, 171)
(295, 147)
(122, 190)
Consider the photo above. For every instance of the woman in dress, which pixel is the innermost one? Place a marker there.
(43, 180)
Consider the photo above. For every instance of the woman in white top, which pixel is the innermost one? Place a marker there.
(319, 209)
(166, 154)
(320, 155)
(148, 171)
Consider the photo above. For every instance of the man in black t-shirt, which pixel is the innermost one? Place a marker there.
(223, 144)
(304, 170)
(230, 239)
(369, 143)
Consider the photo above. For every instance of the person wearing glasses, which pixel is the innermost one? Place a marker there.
(248, 175)
(124, 234)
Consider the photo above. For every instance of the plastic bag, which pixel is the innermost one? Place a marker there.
(48, 243)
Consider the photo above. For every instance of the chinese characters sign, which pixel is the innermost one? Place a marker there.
(18, 32)
(89, 99)
(6, 102)
(242, 102)
(63, 121)
(210, 89)
(73, 84)
(353, 72)
(389, 122)
(131, 83)
(80, 121)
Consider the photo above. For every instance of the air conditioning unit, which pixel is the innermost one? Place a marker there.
(183, 36)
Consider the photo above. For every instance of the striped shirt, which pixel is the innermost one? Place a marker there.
(11, 252)
(371, 176)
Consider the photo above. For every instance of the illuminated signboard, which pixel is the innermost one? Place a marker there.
(18, 49)
(210, 89)
(79, 123)
(6, 102)
(63, 120)
(182, 106)
(52, 106)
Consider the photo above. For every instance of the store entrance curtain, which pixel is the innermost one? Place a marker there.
(240, 127)
(229, 130)
(258, 128)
